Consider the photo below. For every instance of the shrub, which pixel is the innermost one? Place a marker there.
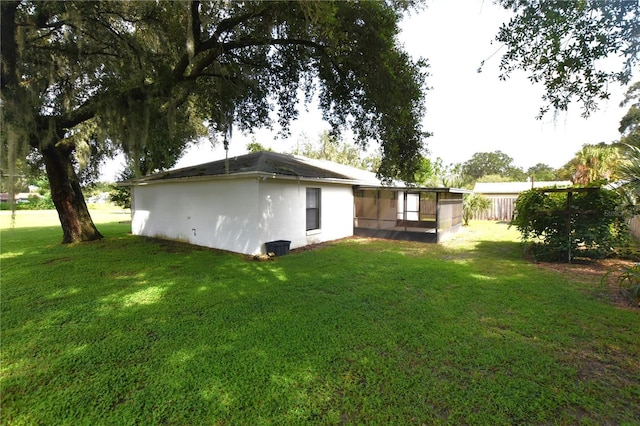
(593, 226)
(35, 203)
(121, 195)
(38, 203)
(472, 205)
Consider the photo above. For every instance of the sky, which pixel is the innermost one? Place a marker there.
(467, 111)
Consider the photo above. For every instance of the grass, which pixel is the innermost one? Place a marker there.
(129, 330)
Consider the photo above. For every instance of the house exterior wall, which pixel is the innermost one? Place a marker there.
(283, 209)
(240, 215)
(219, 214)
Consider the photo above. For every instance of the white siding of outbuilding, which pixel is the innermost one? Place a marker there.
(240, 215)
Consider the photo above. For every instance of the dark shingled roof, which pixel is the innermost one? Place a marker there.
(259, 162)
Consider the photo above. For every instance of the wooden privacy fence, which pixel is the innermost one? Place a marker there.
(634, 224)
(501, 209)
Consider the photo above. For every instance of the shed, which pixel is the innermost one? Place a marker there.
(242, 203)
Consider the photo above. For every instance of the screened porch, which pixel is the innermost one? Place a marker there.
(415, 214)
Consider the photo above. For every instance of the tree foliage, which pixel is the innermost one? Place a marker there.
(142, 77)
(425, 175)
(330, 148)
(628, 168)
(542, 173)
(593, 226)
(629, 173)
(255, 146)
(490, 163)
(446, 175)
(473, 204)
(495, 178)
(574, 48)
(593, 163)
(630, 123)
(84, 79)
(121, 195)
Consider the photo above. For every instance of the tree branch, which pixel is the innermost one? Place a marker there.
(220, 48)
(196, 29)
(88, 110)
(212, 42)
(229, 23)
(73, 50)
(285, 42)
(239, 44)
(8, 47)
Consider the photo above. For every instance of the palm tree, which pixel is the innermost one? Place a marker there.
(629, 173)
(630, 123)
(595, 162)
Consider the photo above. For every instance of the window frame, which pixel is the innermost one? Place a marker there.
(317, 209)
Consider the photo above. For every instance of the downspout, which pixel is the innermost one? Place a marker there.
(226, 157)
(228, 133)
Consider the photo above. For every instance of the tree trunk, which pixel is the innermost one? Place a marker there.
(77, 225)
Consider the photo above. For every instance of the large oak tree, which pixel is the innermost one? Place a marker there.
(573, 48)
(490, 163)
(144, 76)
(80, 78)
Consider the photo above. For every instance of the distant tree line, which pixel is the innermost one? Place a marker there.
(593, 163)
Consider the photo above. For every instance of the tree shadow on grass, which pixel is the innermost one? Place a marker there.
(140, 331)
(99, 330)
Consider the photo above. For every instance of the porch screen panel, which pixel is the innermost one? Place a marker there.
(366, 209)
(387, 209)
(427, 206)
(366, 206)
(456, 214)
(450, 210)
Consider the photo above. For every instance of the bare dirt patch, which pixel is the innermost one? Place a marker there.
(591, 272)
(317, 246)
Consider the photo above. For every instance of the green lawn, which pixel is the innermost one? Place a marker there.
(129, 330)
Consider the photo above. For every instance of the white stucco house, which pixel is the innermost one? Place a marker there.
(242, 203)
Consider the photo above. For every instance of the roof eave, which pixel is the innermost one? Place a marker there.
(239, 175)
(418, 188)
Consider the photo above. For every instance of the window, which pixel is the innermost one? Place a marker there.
(313, 208)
